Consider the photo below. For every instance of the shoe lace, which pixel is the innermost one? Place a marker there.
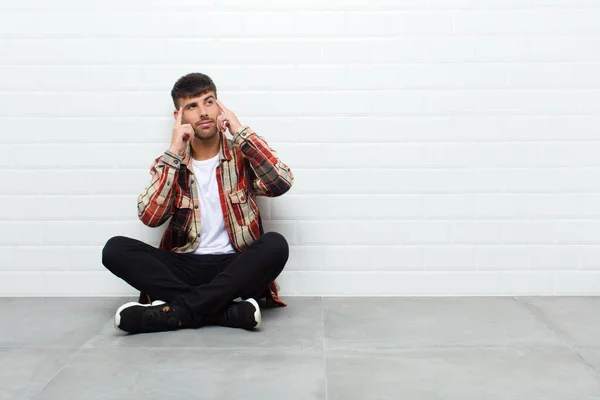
(230, 315)
(160, 317)
(226, 317)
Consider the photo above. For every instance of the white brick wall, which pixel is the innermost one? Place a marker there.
(440, 147)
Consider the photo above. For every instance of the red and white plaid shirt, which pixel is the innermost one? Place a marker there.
(248, 167)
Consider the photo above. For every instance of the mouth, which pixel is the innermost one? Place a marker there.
(204, 124)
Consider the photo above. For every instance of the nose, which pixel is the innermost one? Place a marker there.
(203, 112)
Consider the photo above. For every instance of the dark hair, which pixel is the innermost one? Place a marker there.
(192, 85)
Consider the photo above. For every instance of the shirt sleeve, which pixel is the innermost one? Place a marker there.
(154, 203)
(272, 177)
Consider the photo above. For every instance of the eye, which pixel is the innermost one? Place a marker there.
(210, 102)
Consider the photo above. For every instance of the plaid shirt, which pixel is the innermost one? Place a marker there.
(248, 167)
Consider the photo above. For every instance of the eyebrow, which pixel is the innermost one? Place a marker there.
(195, 103)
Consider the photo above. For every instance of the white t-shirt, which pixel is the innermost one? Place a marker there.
(213, 238)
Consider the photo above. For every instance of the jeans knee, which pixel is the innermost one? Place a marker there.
(112, 250)
(277, 244)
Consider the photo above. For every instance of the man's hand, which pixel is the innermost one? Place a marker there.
(227, 120)
(182, 135)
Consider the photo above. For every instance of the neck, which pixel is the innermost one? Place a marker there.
(206, 149)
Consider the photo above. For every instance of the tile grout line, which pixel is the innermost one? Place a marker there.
(324, 349)
(46, 383)
(69, 360)
(399, 349)
(127, 299)
(570, 343)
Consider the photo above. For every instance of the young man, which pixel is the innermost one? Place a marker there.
(213, 250)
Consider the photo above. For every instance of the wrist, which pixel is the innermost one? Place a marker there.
(234, 127)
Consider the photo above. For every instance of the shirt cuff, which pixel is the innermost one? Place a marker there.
(242, 134)
(172, 159)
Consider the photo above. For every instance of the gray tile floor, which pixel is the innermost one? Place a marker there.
(317, 348)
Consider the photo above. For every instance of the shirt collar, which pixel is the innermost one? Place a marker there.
(224, 152)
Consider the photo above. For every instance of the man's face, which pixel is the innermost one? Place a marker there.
(201, 112)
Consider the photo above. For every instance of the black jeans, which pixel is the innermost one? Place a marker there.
(203, 284)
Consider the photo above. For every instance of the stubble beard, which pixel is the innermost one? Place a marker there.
(203, 134)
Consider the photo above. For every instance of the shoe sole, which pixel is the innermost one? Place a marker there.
(257, 315)
(124, 306)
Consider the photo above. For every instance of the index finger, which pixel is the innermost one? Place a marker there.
(179, 113)
(221, 106)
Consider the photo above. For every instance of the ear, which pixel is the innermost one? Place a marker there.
(175, 114)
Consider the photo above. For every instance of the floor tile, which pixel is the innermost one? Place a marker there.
(461, 374)
(23, 372)
(590, 355)
(432, 322)
(189, 374)
(577, 317)
(53, 322)
(299, 325)
(377, 348)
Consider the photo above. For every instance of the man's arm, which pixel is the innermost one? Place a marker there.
(154, 203)
(272, 177)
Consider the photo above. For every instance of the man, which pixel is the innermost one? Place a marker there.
(213, 250)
